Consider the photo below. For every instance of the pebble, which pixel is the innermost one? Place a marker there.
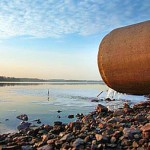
(100, 129)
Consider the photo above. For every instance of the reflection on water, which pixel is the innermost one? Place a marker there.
(43, 100)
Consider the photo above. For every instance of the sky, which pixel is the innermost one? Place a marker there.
(59, 39)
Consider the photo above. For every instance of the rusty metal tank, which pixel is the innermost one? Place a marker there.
(124, 59)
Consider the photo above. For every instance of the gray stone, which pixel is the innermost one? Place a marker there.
(27, 147)
(46, 147)
(66, 137)
(78, 142)
(23, 126)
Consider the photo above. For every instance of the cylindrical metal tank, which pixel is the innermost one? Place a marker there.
(124, 59)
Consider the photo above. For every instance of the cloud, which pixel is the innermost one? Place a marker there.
(51, 18)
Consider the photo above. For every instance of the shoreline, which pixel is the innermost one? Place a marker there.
(126, 128)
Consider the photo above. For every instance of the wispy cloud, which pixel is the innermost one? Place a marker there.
(52, 18)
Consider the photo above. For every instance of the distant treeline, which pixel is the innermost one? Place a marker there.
(12, 79)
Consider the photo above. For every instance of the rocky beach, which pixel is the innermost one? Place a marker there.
(102, 129)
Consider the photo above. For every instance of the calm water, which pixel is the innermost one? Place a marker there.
(33, 100)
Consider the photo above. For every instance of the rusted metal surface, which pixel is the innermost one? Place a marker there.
(124, 59)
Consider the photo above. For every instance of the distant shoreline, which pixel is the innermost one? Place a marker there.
(36, 80)
(33, 80)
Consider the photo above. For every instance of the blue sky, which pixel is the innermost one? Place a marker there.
(59, 38)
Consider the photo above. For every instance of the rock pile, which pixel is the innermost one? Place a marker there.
(127, 128)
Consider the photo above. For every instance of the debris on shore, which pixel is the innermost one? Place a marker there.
(126, 128)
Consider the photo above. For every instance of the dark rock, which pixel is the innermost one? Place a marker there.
(94, 100)
(59, 111)
(70, 116)
(58, 116)
(100, 108)
(57, 123)
(23, 117)
(108, 99)
(38, 121)
(79, 116)
(23, 126)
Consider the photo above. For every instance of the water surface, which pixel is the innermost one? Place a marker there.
(33, 99)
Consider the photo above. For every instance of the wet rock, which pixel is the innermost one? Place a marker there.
(59, 111)
(108, 99)
(57, 123)
(100, 108)
(79, 116)
(23, 117)
(23, 125)
(38, 121)
(70, 116)
(94, 100)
